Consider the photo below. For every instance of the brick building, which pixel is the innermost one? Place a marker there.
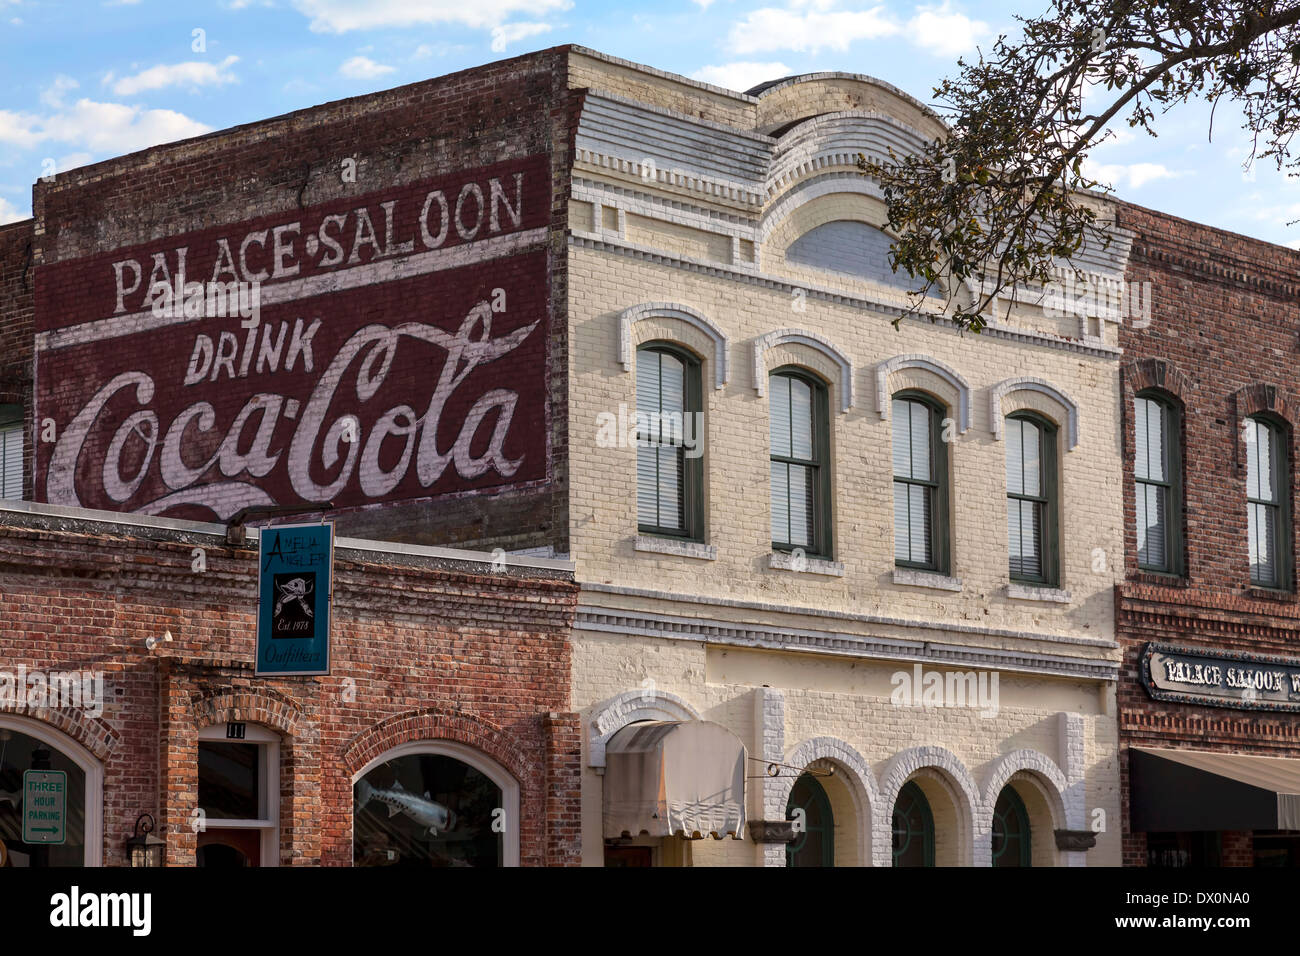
(450, 679)
(860, 578)
(1208, 612)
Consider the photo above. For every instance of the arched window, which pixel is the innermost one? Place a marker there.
(669, 463)
(815, 845)
(1268, 495)
(920, 483)
(1031, 499)
(800, 463)
(913, 828)
(29, 835)
(437, 804)
(1157, 475)
(1011, 845)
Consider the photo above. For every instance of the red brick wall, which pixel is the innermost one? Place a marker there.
(500, 113)
(436, 650)
(1224, 341)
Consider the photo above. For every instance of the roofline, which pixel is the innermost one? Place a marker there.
(136, 523)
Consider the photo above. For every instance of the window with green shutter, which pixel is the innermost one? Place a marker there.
(669, 475)
(800, 466)
(1157, 475)
(1268, 510)
(920, 483)
(1031, 499)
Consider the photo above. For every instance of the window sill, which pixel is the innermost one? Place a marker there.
(681, 549)
(1029, 592)
(916, 578)
(788, 561)
(1159, 578)
(1270, 594)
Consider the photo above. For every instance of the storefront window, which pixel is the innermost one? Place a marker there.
(428, 809)
(19, 753)
(1010, 830)
(1197, 850)
(815, 844)
(913, 828)
(239, 797)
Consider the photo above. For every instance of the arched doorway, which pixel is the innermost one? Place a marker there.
(1011, 831)
(26, 745)
(434, 804)
(814, 845)
(913, 828)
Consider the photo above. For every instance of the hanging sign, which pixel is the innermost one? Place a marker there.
(295, 578)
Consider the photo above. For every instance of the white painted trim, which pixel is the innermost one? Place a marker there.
(932, 365)
(682, 549)
(916, 578)
(812, 340)
(88, 763)
(672, 310)
(268, 784)
(480, 762)
(1029, 384)
(630, 707)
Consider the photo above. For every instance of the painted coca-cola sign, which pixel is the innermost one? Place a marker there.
(389, 346)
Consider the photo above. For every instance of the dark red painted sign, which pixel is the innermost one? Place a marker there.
(391, 346)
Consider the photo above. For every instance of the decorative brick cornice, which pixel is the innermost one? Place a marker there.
(1208, 264)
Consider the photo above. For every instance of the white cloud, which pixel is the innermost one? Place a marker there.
(1133, 175)
(771, 28)
(364, 68)
(53, 94)
(945, 32)
(741, 75)
(340, 16)
(99, 128)
(192, 73)
(1293, 244)
(10, 213)
(503, 36)
(20, 129)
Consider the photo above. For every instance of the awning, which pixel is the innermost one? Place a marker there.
(1178, 790)
(675, 777)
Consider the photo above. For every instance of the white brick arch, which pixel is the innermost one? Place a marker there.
(683, 313)
(630, 707)
(1051, 784)
(811, 340)
(849, 765)
(949, 769)
(934, 367)
(1028, 384)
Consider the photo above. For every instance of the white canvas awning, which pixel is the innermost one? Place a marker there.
(667, 778)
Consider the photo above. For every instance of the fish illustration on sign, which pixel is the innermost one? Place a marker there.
(294, 590)
(423, 810)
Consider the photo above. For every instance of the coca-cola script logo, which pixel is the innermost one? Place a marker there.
(389, 409)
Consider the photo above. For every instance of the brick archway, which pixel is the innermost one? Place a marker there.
(437, 723)
(90, 732)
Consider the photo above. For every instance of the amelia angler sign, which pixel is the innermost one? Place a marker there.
(295, 574)
(376, 348)
(1247, 681)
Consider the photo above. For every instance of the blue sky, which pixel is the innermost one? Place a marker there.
(83, 80)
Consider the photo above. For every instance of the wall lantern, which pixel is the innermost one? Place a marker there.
(143, 848)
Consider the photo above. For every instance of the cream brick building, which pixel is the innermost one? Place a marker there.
(737, 229)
